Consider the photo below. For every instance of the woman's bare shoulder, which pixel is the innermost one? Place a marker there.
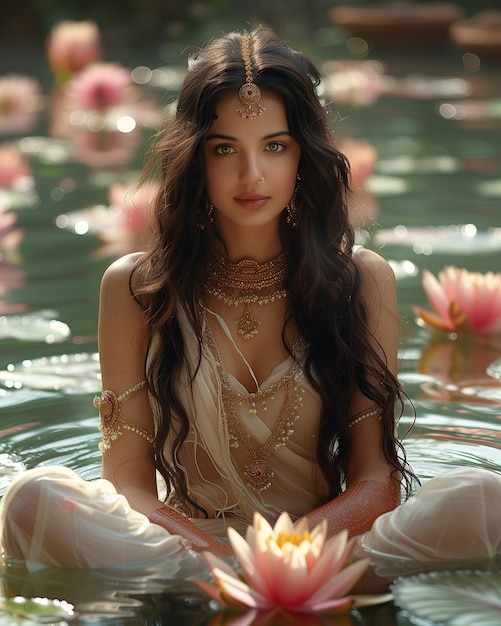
(372, 265)
(118, 279)
(120, 270)
(377, 281)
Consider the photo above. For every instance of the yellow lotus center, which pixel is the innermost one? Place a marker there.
(294, 538)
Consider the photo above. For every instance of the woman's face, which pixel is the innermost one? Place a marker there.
(251, 165)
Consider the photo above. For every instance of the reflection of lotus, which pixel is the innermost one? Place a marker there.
(286, 566)
(104, 149)
(279, 617)
(71, 46)
(362, 205)
(464, 301)
(10, 237)
(133, 206)
(19, 103)
(457, 371)
(14, 168)
(11, 277)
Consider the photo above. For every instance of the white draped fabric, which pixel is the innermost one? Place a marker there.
(51, 517)
(215, 470)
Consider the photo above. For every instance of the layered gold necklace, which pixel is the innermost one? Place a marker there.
(259, 473)
(246, 282)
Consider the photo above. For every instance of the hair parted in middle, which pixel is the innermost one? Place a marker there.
(322, 279)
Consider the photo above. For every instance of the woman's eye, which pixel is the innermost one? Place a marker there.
(275, 147)
(224, 150)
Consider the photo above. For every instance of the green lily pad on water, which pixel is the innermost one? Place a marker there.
(461, 598)
(35, 610)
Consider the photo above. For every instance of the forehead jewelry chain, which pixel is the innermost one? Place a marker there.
(249, 94)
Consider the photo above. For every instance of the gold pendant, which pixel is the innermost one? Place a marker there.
(247, 325)
(258, 475)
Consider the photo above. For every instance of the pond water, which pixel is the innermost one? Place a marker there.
(434, 195)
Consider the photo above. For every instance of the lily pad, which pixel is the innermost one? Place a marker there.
(38, 610)
(33, 328)
(451, 598)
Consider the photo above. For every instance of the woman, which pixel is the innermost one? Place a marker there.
(249, 356)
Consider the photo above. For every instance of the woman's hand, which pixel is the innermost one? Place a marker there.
(196, 539)
(357, 508)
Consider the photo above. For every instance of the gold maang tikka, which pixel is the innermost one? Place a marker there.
(249, 93)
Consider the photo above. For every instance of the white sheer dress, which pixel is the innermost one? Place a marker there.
(51, 517)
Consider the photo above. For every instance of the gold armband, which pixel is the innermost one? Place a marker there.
(113, 423)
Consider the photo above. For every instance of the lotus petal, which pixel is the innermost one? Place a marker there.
(286, 566)
(290, 583)
(341, 584)
(247, 560)
(238, 590)
(464, 301)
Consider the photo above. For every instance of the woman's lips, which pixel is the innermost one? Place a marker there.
(251, 200)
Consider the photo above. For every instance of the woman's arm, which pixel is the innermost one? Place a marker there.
(370, 489)
(123, 344)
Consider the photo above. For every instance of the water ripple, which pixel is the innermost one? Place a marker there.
(69, 373)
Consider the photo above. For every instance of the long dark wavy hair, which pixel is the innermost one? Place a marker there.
(322, 278)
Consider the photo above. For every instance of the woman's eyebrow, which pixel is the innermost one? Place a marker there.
(280, 133)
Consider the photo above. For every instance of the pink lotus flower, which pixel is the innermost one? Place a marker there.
(102, 114)
(19, 103)
(14, 168)
(286, 566)
(104, 149)
(464, 301)
(356, 83)
(71, 46)
(101, 86)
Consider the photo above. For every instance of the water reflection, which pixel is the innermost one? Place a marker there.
(11, 278)
(125, 598)
(68, 373)
(464, 239)
(282, 618)
(458, 370)
(33, 327)
(431, 189)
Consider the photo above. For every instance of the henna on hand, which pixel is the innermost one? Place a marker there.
(357, 508)
(195, 538)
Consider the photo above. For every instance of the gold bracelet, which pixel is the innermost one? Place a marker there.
(112, 421)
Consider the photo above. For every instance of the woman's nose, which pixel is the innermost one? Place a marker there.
(251, 170)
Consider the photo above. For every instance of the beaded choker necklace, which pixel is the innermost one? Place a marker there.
(246, 282)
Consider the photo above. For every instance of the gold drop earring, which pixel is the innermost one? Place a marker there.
(210, 211)
(292, 216)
